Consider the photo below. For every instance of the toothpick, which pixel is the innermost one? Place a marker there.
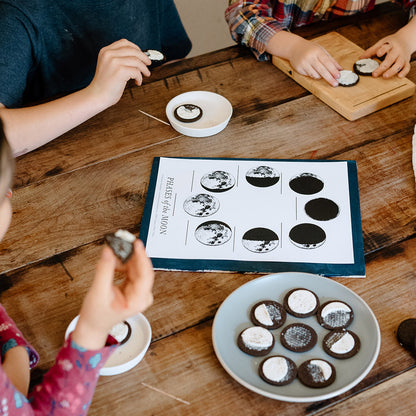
(155, 118)
(166, 394)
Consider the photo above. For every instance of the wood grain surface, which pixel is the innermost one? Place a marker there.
(94, 180)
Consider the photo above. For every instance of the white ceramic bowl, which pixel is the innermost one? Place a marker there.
(216, 113)
(128, 355)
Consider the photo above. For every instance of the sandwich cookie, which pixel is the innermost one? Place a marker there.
(278, 370)
(348, 78)
(335, 314)
(301, 302)
(341, 343)
(268, 314)
(121, 332)
(188, 113)
(365, 67)
(256, 340)
(316, 373)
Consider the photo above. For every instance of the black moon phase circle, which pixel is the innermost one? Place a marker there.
(213, 233)
(262, 176)
(201, 205)
(217, 181)
(260, 240)
(307, 236)
(306, 184)
(322, 209)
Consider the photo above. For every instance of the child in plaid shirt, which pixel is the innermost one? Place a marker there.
(264, 26)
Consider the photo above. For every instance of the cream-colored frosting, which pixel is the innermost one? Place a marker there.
(302, 301)
(257, 338)
(275, 368)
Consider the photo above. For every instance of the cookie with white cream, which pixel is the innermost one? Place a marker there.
(121, 332)
(341, 343)
(268, 314)
(278, 370)
(365, 67)
(348, 78)
(256, 340)
(301, 302)
(335, 314)
(316, 373)
(188, 113)
(298, 337)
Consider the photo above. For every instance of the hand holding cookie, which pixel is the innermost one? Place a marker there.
(107, 304)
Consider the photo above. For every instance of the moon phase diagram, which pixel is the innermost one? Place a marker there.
(213, 233)
(262, 176)
(260, 240)
(201, 205)
(217, 181)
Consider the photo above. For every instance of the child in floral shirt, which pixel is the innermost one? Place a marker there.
(68, 387)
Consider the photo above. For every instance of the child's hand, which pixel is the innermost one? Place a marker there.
(310, 59)
(106, 304)
(117, 63)
(397, 59)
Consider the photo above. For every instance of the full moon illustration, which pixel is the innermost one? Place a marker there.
(201, 205)
(260, 240)
(213, 233)
(217, 181)
(306, 184)
(262, 176)
(322, 209)
(307, 236)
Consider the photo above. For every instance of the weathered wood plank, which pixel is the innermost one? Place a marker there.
(393, 397)
(122, 128)
(69, 210)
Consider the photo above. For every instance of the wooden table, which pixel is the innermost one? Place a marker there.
(93, 180)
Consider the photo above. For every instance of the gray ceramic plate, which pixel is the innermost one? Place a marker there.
(234, 315)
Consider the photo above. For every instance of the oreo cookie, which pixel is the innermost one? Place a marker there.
(335, 314)
(301, 302)
(316, 373)
(121, 242)
(121, 332)
(341, 343)
(155, 56)
(268, 314)
(406, 335)
(256, 340)
(278, 370)
(298, 337)
(348, 78)
(365, 67)
(188, 113)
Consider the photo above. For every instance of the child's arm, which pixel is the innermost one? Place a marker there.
(398, 49)
(16, 367)
(68, 387)
(106, 304)
(306, 57)
(30, 127)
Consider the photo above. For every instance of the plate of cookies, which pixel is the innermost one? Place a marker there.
(296, 337)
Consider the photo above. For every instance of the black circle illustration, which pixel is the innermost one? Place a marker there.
(260, 240)
(322, 209)
(262, 176)
(307, 236)
(306, 184)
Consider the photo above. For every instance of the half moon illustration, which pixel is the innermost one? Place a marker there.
(262, 176)
(306, 184)
(322, 209)
(307, 236)
(217, 181)
(201, 205)
(260, 240)
(213, 233)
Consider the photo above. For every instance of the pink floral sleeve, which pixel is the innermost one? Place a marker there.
(67, 388)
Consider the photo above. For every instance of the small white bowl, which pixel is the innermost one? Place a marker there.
(216, 113)
(128, 355)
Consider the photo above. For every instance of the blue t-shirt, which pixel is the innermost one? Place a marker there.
(50, 48)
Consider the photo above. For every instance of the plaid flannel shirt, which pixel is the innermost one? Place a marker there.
(253, 23)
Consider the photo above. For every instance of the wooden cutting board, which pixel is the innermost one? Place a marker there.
(369, 95)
